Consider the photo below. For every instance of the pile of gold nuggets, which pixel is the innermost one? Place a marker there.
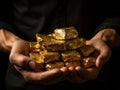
(61, 48)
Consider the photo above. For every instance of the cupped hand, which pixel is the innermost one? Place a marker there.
(80, 74)
(25, 66)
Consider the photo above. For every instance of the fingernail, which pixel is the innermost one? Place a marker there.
(32, 64)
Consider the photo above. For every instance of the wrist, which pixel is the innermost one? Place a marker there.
(109, 36)
(7, 39)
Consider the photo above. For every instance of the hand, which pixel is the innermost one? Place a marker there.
(25, 65)
(81, 75)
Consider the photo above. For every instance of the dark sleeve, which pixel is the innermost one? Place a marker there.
(110, 23)
(6, 14)
(6, 26)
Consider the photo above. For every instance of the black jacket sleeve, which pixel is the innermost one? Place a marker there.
(6, 14)
(110, 23)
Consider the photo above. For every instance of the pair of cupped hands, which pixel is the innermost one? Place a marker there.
(25, 65)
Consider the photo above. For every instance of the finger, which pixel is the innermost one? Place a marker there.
(40, 77)
(89, 73)
(103, 57)
(75, 77)
(22, 61)
(64, 74)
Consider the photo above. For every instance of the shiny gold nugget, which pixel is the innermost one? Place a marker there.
(36, 57)
(86, 50)
(50, 43)
(53, 65)
(88, 62)
(44, 38)
(38, 60)
(48, 57)
(72, 63)
(70, 56)
(34, 47)
(65, 33)
(55, 45)
(74, 43)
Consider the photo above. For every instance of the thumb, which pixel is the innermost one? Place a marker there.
(22, 61)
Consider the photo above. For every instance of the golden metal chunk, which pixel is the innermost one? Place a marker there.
(86, 50)
(44, 38)
(35, 50)
(62, 48)
(88, 62)
(55, 45)
(34, 47)
(53, 65)
(75, 43)
(72, 63)
(65, 33)
(37, 57)
(38, 60)
(50, 56)
(50, 43)
(70, 56)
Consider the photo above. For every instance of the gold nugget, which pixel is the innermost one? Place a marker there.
(55, 45)
(34, 47)
(65, 33)
(49, 43)
(48, 57)
(88, 62)
(86, 50)
(76, 43)
(70, 56)
(53, 65)
(38, 60)
(73, 63)
(44, 38)
(62, 48)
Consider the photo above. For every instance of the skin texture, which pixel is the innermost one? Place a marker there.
(25, 65)
(82, 75)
